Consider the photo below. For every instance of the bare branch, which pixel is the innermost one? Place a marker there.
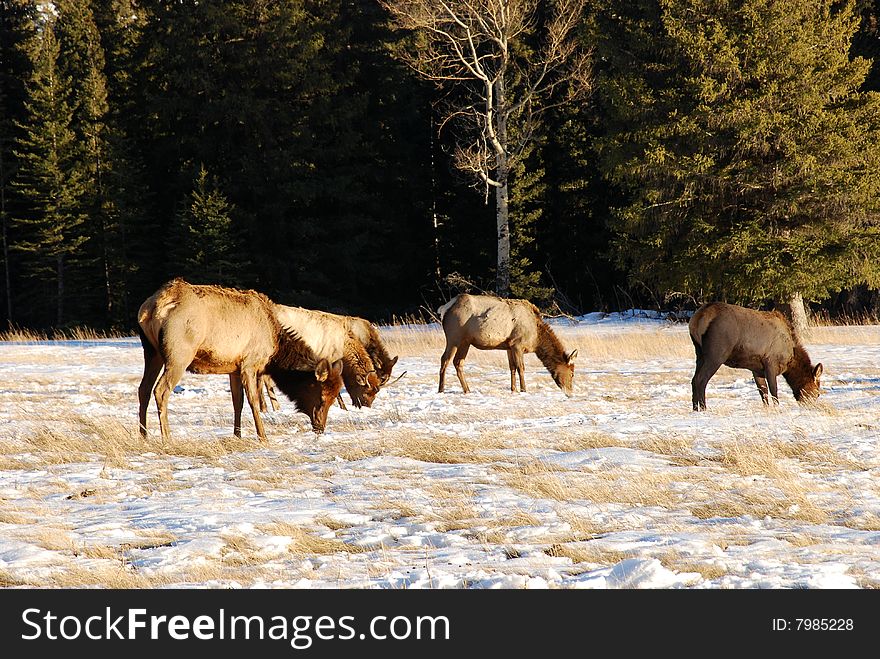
(467, 44)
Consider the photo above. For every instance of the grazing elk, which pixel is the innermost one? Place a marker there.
(760, 341)
(368, 335)
(330, 335)
(491, 323)
(358, 376)
(211, 329)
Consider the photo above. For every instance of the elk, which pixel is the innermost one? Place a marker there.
(331, 335)
(212, 329)
(491, 323)
(358, 375)
(368, 335)
(761, 341)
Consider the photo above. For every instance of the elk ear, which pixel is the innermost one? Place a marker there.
(392, 362)
(322, 370)
(336, 369)
(570, 357)
(817, 371)
(361, 380)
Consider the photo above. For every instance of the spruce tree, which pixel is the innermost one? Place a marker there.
(134, 252)
(82, 61)
(528, 189)
(203, 244)
(17, 26)
(746, 151)
(49, 179)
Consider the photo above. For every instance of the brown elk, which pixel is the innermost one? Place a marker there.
(211, 329)
(358, 375)
(368, 335)
(333, 336)
(491, 323)
(762, 342)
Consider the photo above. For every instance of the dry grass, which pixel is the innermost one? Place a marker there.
(151, 540)
(106, 576)
(54, 539)
(332, 524)
(569, 441)
(726, 508)
(9, 580)
(677, 563)
(447, 449)
(793, 505)
(106, 552)
(672, 342)
(587, 529)
(488, 536)
(678, 449)
(588, 552)
(644, 488)
(414, 340)
(13, 517)
(518, 518)
(802, 539)
(77, 438)
(750, 458)
(399, 509)
(14, 464)
(497, 531)
(305, 543)
(115, 575)
(865, 522)
(78, 333)
(818, 456)
(767, 459)
(846, 334)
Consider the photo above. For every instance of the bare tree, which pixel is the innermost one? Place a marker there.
(507, 63)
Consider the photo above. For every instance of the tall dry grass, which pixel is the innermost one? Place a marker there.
(76, 333)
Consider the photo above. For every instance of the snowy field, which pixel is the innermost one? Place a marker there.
(620, 486)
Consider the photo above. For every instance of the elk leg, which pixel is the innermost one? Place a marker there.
(166, 384)
(235, 387)
(448, 354)
(460, 356)
(518, 356)
(250, 382)
(270, 392)
(770, 375)
(262, 383)
(702, 374)
(152, 368)
(761, 382)
(515, 360)
(511, 362)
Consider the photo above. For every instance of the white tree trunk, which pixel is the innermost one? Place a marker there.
(502, 206)
(798, 315)
(502, 278)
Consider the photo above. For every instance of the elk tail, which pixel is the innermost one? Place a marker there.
(441, 311)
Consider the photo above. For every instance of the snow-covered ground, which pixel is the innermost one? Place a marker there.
(619, 486)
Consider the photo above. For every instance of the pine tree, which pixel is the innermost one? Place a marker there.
(82, 61)
(134, 254)
(747, 152)
(204, 246)
(17, 25)
(49, 231)
(528, 189)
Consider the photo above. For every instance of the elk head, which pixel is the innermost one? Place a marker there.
(563, 372)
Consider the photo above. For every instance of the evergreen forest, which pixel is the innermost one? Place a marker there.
(363, 157)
